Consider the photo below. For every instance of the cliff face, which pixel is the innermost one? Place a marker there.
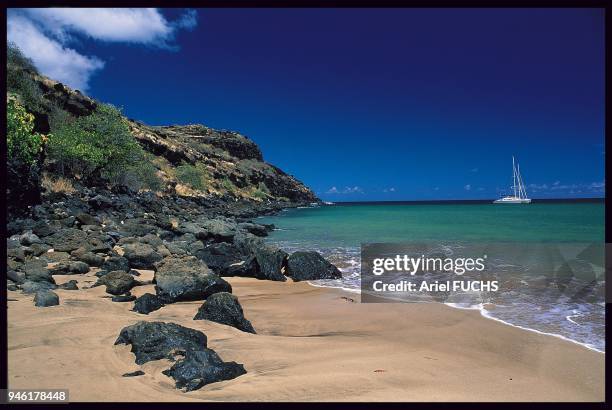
(233, 164)
(227, 155)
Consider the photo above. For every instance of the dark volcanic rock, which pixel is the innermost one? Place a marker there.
(219, 256)
(23, 186)
(117, 282)
(147, 303)
(45, 298)
(197, 367)
(152, 240)
(28, 239)
(70, 285)
(43, 228)
(132, 374)
(224, 308)
(89, 258)
(101, 243)
(141, 255)
(195, 246)
(186, 278)
(128, 297)
(218, 229)
(56, 256)
(70, 100)
(29, 287)
(310, 266)
(137, 228)
(39, 249)
(116, 263)
(247, 268)
(100, 202)
(178, 247)
(255, 229)
(70, 268)
(86, 219)
(159, 340)
(67, 240)
(17, 253)
(270, 260)
(202, 367)
(17, 277)
(36, 271)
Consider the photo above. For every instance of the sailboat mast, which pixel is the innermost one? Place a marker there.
(513, 177)
(522, 193)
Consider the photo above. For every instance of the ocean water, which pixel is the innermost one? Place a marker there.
(337, 232)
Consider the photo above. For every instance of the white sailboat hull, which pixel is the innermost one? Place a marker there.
(512, 200)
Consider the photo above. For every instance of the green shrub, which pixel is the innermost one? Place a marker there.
(22, 143)
(141, 175)
(15, 57)
(263, 187)
(193, 175)
(97, 146)
(228, 185)
(58, 117)
(261, 192)
(19, 79)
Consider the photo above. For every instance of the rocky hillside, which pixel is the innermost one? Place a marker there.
(229, 159)
(226, 163)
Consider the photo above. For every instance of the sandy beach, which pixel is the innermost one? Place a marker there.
(312, 344)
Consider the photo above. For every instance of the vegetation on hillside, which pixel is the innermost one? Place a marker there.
(98, 147)
(194, 176)
(22, 143)
(95, 148)
(20, 83)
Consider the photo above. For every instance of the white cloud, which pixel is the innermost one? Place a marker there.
(345, 190)
(538, 187)
(48, 36)
(597, 185)
(130, 25)
(392, 189)
(593, 187)
(50, 57)
(467, 187)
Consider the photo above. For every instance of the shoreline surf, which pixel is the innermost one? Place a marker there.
(290, 228)
(483, 313)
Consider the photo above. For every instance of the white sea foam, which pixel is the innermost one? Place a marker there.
(555, 319)
(485, 313)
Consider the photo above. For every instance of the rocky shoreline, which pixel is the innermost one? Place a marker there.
(92, 192)
(190, 243)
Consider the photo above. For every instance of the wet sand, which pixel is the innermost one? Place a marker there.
(313, 344)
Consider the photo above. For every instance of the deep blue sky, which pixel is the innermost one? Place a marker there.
(429, 102)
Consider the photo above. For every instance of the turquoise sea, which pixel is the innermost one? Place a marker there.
(337, 231)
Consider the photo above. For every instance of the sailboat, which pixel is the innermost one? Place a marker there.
(519, 195)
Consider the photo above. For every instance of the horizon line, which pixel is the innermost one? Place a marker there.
(590, 199)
